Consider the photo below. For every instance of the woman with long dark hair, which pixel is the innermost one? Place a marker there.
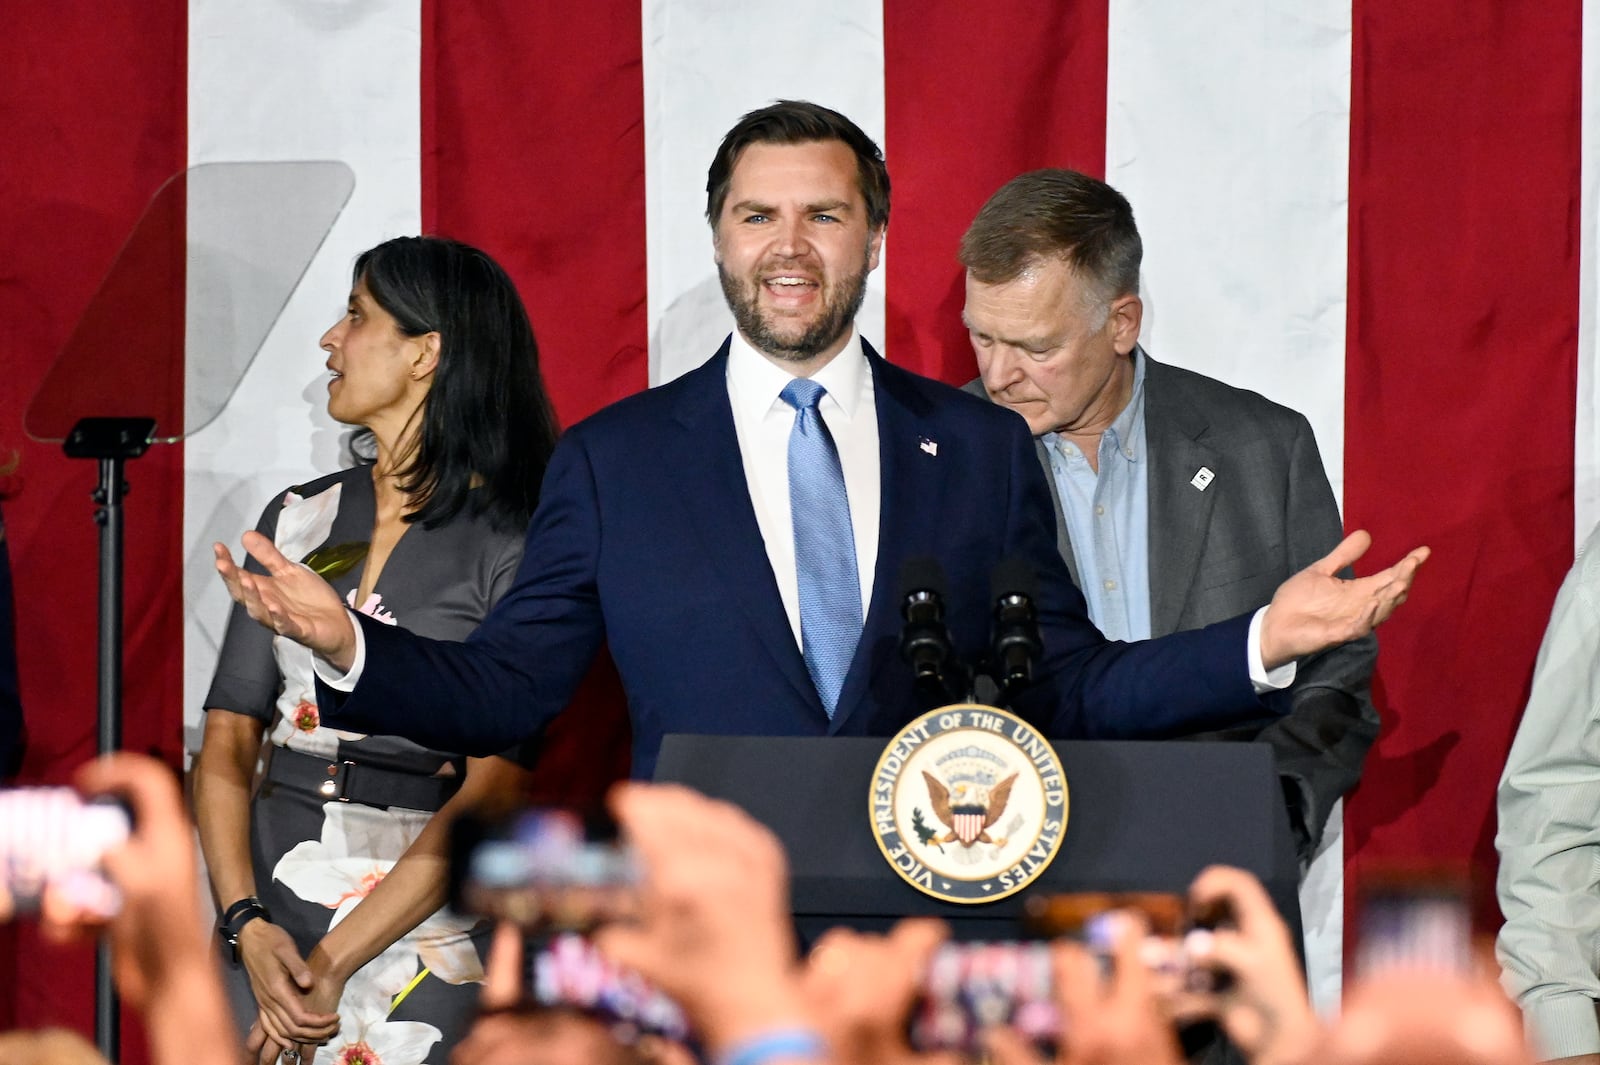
(331, 878)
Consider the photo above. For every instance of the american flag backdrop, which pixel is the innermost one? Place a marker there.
(1382, 214)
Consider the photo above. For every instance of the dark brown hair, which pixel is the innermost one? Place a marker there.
(800, 122)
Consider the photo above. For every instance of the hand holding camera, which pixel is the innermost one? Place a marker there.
(1263, 1005)
(713, 929)
(52, 846)
(695, 901)
(862, 988)
(128, 870)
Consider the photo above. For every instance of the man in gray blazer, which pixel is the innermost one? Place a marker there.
(1180, 500)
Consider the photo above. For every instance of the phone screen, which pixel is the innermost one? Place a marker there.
(541, 870)
(973, 986)
(1414, 921)
(567, 971)
(52, 841)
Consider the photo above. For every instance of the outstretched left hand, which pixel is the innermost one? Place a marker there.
(1317, 609)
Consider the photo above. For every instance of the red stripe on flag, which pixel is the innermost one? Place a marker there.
(1460, 391)
(83, 155)
(972, 99)
(533, 149)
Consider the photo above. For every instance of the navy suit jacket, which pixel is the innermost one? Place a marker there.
(645, 537)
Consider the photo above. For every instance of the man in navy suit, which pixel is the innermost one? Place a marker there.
(737, 535)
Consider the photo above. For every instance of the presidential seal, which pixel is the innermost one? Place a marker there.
(969, 803)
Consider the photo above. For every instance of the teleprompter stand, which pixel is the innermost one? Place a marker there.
(112, 442)
(160, 349)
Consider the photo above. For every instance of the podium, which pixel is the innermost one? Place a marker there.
(1141, 817)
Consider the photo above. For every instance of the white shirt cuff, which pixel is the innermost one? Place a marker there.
(1562, 1025)
(346, 682)
(1261, 678)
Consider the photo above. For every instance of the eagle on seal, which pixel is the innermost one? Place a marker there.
(969, 812)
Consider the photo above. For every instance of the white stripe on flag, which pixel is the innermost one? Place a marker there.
(1228, 129)
(1586, 442)
(704, 66)
(267, 81)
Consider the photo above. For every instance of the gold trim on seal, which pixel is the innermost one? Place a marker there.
(1045, 788)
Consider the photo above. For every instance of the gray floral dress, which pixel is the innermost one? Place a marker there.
(315, 859)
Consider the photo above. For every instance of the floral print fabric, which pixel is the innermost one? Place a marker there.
(315, 860)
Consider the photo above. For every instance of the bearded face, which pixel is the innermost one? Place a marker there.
(794, 248)
(790, 333)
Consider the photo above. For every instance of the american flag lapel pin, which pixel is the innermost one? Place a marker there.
(927, 445)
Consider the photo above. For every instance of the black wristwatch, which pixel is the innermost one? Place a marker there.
(235, 917)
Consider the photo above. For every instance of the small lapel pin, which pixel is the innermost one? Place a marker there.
(1202, 477)
(928, 445)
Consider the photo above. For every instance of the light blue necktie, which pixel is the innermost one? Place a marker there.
(824, 545)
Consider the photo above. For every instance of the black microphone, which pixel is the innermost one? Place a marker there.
(925, 641)
(1016, 642)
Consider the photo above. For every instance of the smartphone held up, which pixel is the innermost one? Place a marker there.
(52, 842)
(542, 870)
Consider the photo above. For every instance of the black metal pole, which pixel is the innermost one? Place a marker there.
(108, 515)
(111, 441)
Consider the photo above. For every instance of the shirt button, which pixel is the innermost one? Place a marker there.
(1111, 586)
(1068, 449)
(1098, 509)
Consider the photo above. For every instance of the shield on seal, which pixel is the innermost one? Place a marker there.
(968, 822)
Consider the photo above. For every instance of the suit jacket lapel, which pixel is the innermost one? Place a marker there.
(1180, 513)
(704, 456)
(910, 491)
(1063, 537)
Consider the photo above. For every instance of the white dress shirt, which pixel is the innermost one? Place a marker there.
(763, 420)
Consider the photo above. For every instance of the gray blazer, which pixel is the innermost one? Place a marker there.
(1214, 554)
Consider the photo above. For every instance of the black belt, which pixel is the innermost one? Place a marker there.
(341, 781)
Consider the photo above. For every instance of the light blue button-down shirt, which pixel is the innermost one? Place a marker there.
(1108, 519)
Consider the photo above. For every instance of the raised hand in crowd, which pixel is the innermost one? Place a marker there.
(714, 931)
(510, 1031)
(160, 939)
(1262, 1002)
(1425, 1017)
(1111, 1018)
(861, 989)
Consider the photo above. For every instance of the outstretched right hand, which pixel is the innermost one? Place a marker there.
(291, 600)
